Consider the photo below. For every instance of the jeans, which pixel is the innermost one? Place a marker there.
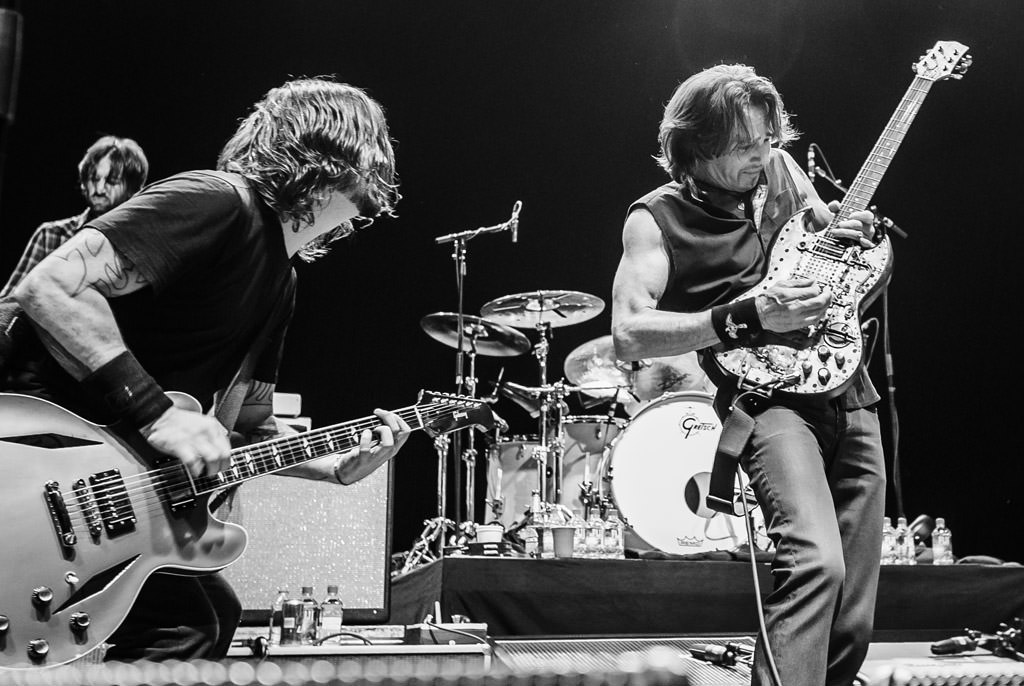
(178, 618)
(819, 474)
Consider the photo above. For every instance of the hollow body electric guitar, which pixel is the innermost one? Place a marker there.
(90, 512)
(824, 359)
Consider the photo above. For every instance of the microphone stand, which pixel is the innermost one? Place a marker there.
(465, 385)
(882, 225)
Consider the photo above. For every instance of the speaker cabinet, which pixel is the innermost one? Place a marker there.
(314, 533)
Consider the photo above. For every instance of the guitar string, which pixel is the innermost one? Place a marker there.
(287, 447)
(171, 478)
(863, 188)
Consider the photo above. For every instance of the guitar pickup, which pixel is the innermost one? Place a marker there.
(113, 502)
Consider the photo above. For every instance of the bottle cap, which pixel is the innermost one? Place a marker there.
(307, 590)
(940, 522)
(886, 521)
(332, 589)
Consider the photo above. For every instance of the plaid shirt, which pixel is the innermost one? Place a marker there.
(45, 240)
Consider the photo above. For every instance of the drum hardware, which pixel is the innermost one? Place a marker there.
(544, 310)
(465, 335)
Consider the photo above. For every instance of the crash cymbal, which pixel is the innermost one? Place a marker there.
(594, 368)
(556, 308)
(660, 375)
(492, 339)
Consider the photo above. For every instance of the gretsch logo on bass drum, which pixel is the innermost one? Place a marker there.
(691, 425)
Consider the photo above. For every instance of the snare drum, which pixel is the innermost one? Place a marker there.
(585, 439)
(660, 468)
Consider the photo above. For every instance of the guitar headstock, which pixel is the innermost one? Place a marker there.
(947, 60)
(454, 412)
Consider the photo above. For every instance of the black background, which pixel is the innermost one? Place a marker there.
(557, 104)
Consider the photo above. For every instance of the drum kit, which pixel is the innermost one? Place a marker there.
(654, 467)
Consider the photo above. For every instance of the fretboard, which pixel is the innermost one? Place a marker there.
(866, 183)
(274, 455)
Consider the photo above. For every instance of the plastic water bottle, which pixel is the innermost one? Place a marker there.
(613, 544)
(942, 543)
(595, 535)
(888, 542)
(332, 613)
(906, 551)
(291, 619)
(310, 616)
(275, 616)
(579, 538)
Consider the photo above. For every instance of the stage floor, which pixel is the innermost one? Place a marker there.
(519, 597)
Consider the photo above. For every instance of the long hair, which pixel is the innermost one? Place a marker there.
(310, 137)
(708, 113)
(127, 161)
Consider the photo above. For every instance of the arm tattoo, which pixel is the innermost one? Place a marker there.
(102, 268)
(260, 392)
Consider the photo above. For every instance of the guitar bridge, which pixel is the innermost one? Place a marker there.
(59, 514)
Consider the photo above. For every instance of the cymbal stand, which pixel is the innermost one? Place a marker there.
(549, 452)
(469, 454)
(462, 385)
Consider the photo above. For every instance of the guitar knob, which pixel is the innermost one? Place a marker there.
(38, 648)
(42, 596)
(807, 368)
(823, 352)
(840, 360)
(79, 621)
(5, 624)
(823, 376)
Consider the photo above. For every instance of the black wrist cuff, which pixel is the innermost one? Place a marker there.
(127, 391)
(737, 323)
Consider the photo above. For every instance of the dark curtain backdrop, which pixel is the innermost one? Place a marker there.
(557, 104)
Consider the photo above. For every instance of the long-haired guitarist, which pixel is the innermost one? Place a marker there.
(691, 247)
(175, 287)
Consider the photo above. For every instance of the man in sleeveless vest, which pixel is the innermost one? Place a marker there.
(816, 465)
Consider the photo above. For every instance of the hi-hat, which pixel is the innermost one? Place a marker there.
(594, 368)
(555, 308)
(489, 338)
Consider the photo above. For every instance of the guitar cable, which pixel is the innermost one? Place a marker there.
(765, 644)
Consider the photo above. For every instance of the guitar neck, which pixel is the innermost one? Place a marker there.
(274, 455)
(864, 185)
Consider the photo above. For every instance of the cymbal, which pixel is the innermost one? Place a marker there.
(491, 339)
(594, 368)
(556, 308)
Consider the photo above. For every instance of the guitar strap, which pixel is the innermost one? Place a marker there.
(737, 411)
(227, 403)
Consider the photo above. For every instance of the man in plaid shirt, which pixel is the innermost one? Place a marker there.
(112, 170)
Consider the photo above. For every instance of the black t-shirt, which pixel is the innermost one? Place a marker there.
(215, 259)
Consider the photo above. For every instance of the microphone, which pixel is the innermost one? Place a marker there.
(952, 646)
(812, 167)
(514, 221)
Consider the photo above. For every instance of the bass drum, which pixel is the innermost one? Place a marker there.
(660, 469)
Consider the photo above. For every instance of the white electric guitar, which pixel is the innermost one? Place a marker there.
(824, 359)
